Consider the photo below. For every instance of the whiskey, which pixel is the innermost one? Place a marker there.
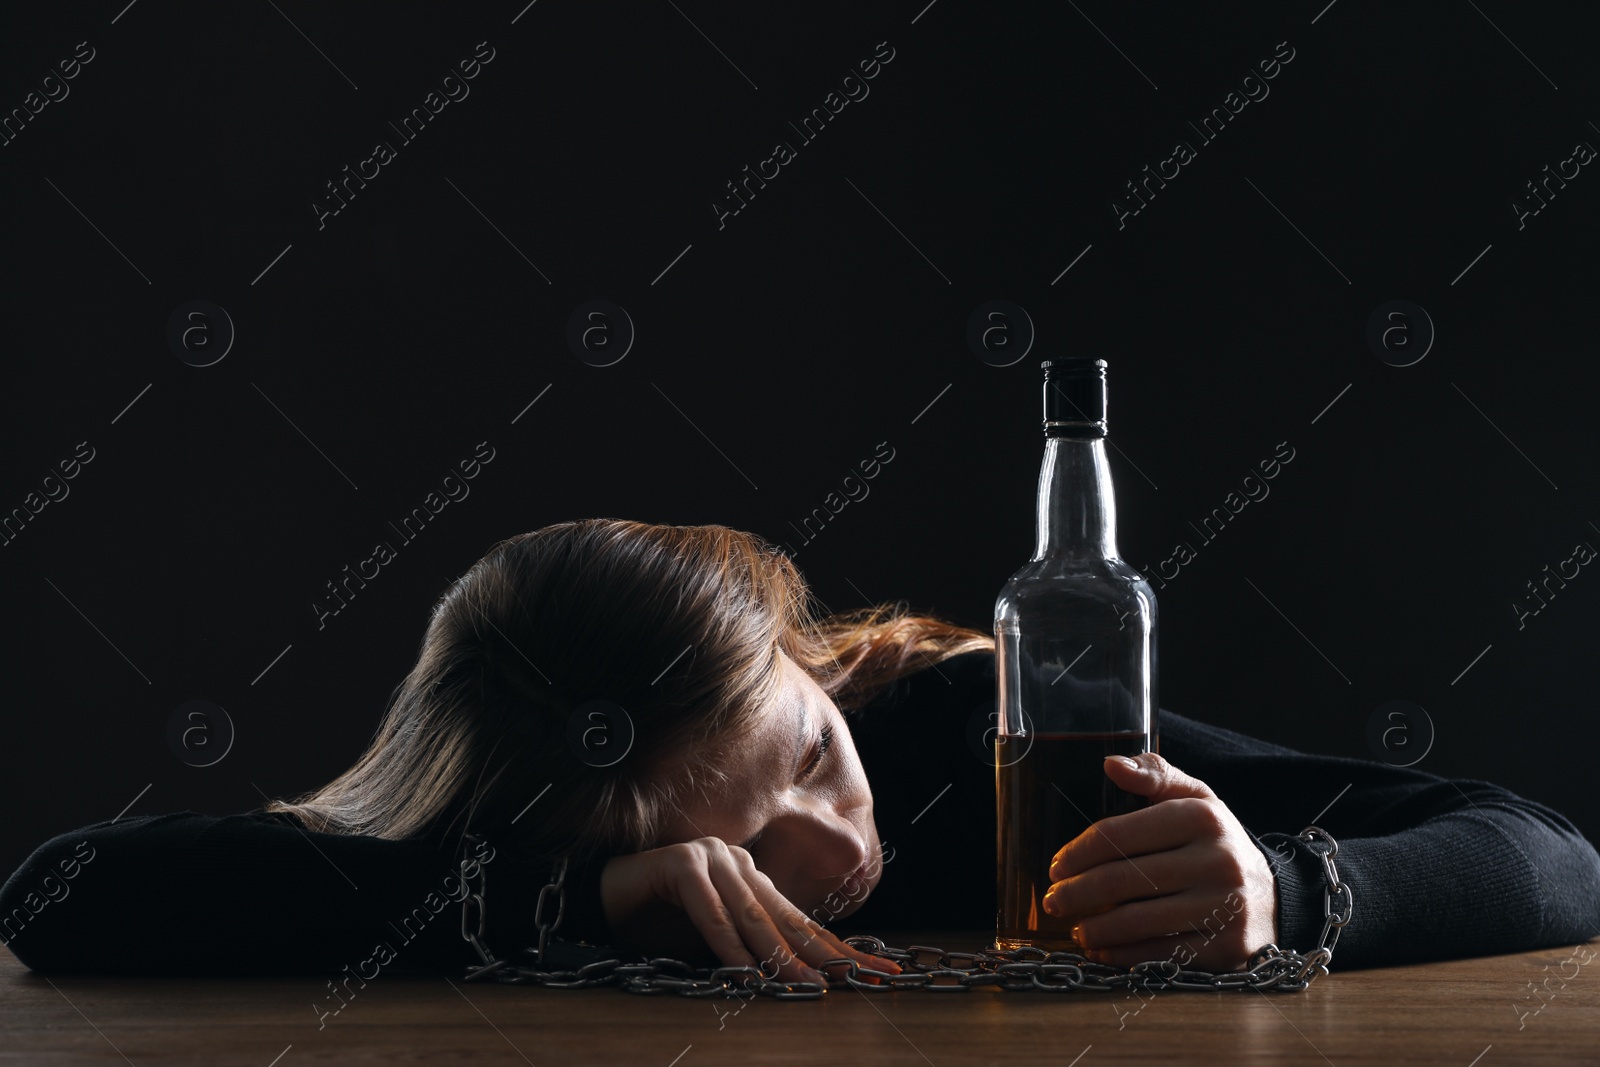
(1045, 799)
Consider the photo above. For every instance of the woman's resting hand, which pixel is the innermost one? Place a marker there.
(1180, 879)
(683, 899)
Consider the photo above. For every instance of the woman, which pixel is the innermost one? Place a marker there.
(661, 706)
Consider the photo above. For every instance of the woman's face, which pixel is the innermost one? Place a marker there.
(799, 804)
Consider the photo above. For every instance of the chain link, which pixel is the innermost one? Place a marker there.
(923, 967)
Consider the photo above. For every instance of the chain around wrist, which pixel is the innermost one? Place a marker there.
(1338, 901)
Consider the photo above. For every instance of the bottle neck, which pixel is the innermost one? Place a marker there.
(1077, 510)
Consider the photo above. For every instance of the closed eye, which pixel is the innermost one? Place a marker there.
(823, 745)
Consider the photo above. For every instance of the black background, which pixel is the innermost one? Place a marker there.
(775, 353)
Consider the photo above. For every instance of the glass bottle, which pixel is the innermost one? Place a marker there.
(1075, 637)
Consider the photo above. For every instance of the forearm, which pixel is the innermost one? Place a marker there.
(191, 893)
(1483, 880)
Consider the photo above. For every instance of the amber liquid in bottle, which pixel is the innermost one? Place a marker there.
(1053, 793)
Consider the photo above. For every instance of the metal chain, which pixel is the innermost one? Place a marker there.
(924, 967)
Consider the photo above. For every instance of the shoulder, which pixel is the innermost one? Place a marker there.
(1188, 733)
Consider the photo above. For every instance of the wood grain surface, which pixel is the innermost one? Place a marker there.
(1469, 1013)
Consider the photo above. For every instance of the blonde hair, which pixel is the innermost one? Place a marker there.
(679, 625)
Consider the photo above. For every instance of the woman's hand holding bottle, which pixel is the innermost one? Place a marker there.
(1154, 876)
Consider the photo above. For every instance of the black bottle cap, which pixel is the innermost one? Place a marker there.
(1074, 397)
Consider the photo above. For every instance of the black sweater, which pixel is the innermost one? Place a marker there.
(1439, 868)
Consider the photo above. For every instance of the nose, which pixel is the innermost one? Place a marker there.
(834, 842)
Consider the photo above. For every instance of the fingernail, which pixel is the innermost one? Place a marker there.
(1128, 762)
(1077, 934)
(813, 975)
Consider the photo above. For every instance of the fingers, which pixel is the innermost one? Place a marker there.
(1136, 878)
(725, 927)
(815, 943)
(1142, 921)
(1158, 828)
(807, 937)
(1153, 777)
(753, 925)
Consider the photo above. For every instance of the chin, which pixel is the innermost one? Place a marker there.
(838, 903)
(862, 894)
(854, 906)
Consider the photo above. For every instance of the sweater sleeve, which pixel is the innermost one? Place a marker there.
(185, 893)
(1438, 868)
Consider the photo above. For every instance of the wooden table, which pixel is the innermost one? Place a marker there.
(1467, 1012)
